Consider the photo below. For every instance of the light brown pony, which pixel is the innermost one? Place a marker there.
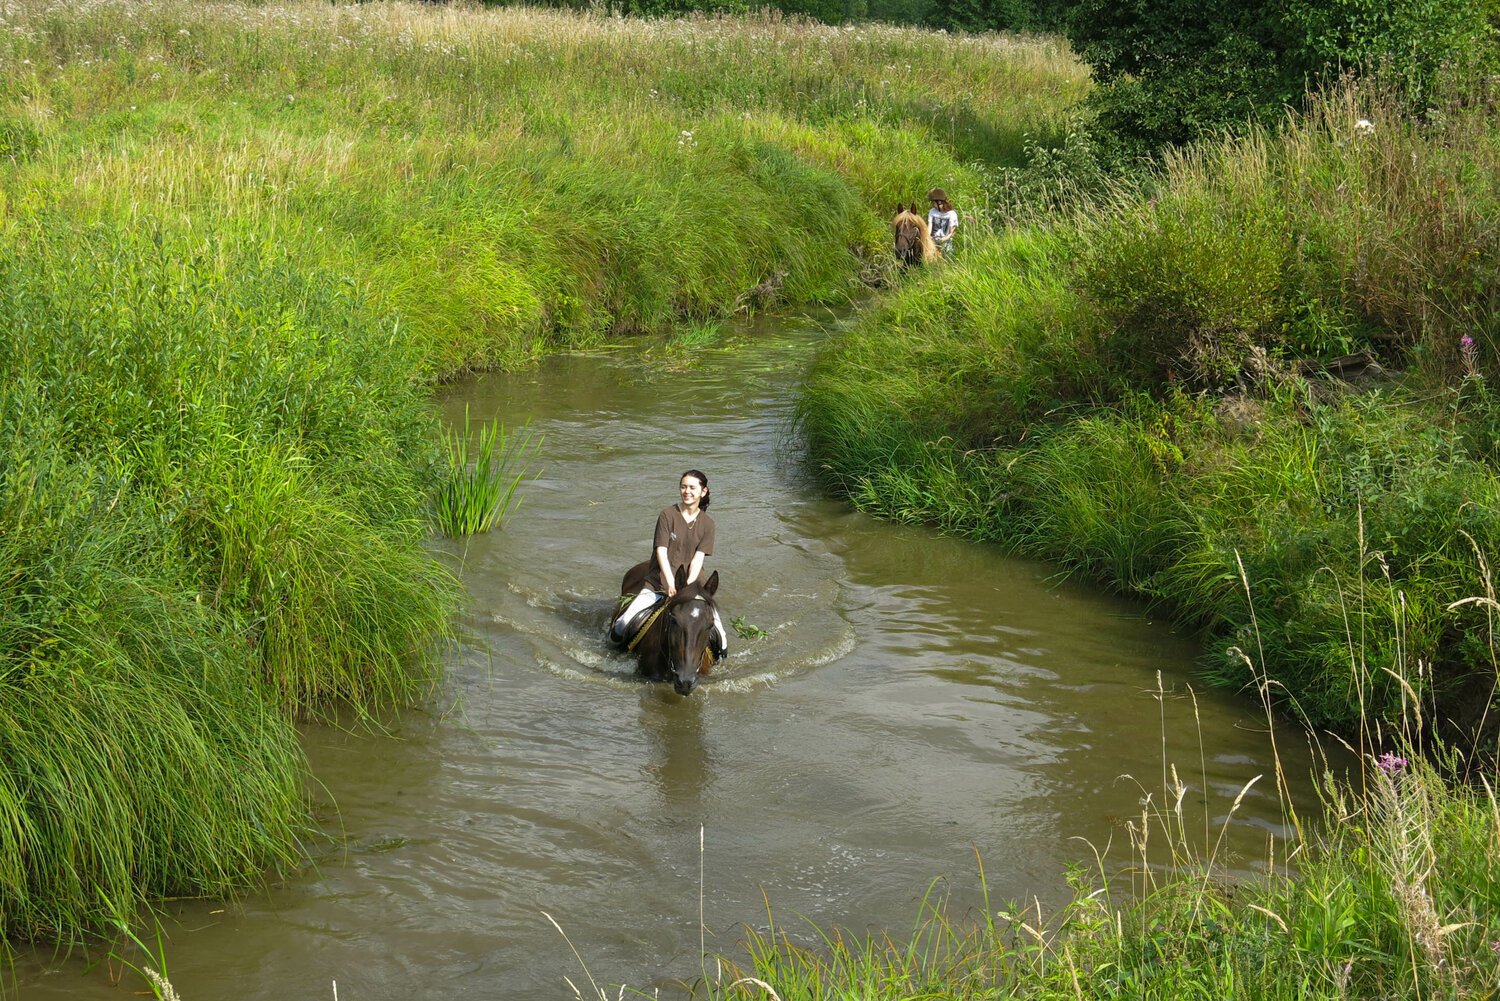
(913, 239)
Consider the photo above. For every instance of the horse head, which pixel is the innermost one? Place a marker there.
(688, 623)
(908, 229)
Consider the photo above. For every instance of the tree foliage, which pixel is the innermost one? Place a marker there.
(950, 15)
(1173, 70)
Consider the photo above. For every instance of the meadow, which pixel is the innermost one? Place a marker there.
(238, 246)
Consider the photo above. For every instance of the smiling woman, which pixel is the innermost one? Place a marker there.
(683, 539)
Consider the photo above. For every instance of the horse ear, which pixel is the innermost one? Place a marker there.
(680, 577)
(712, 584)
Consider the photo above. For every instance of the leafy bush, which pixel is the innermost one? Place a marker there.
(1171, 72)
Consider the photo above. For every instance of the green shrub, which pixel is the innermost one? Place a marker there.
(1171, 73)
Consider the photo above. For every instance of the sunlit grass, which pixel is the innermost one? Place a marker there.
(513, 180)
(1134, 393)
(484, 471)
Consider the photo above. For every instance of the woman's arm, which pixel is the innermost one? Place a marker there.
(668, 580)
(695, 566)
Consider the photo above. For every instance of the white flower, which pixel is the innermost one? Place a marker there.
(1364, 127)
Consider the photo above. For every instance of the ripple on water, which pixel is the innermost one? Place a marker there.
(567, 637)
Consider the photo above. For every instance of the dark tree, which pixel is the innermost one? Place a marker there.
(1170, 71)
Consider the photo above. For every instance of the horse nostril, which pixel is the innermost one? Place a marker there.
(685, 687)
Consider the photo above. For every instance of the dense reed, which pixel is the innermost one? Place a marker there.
(1160, 389)
(478, 493)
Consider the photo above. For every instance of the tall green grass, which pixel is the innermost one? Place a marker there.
(212, 486)
(478, 494)
(513, 181)
(1136, 392)
(236, 243)
(135, 760)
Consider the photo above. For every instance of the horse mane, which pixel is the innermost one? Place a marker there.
(913, 236)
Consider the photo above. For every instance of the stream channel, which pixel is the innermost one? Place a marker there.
(918, 701)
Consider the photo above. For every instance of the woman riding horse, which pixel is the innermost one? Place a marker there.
(684, 538)
(677, 641)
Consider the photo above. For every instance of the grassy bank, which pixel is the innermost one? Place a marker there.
(1157, 391)
(238, 242)
(513, 181)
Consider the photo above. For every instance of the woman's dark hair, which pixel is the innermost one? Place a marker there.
(703, 504)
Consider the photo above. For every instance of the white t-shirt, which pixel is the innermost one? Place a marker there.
(942, 224)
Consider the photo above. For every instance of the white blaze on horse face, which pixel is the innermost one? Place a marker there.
(696, 611)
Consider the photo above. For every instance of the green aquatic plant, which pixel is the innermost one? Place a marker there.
(748, 631)
(484, 471)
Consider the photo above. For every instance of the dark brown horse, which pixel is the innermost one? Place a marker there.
(674, 646)
(913, 238)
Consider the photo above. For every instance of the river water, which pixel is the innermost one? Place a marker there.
(917, 702)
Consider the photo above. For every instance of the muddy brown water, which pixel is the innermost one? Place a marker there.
(918, 700)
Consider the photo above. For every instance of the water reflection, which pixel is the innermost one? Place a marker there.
(679, 763)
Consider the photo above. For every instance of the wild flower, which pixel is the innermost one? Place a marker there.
(1469, 356)
(1391, 764)
(1364, 127)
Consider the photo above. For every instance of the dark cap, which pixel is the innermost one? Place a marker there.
(937, 195)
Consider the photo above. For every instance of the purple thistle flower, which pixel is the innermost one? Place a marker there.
(1391, 764)
(1468, 355)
